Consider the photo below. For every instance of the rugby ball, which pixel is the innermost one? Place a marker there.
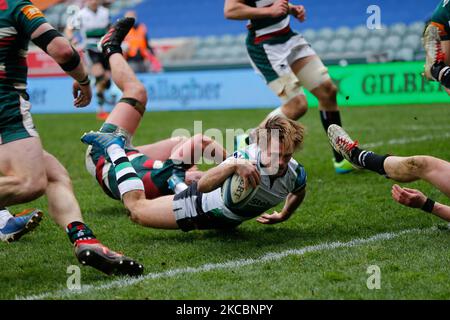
(234, 195)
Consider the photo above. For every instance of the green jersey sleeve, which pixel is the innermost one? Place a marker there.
(441, 19)
(27, 16)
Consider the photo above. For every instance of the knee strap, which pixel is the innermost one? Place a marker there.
(134, 103)
(313, 74)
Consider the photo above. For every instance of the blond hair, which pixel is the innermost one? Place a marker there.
(290, 133)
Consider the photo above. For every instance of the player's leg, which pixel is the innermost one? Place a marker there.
(152, 213)
(65, 211)
(271, 62)
(402, 169)
(313, 76)
(23, 173)
(157, 213)
(163, 149)
(188, 150)
(130, 109)
(407, 169)
(98, 71)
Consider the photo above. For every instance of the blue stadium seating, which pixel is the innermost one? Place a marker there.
(176, 18)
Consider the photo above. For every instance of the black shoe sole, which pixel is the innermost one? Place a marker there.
(30, 226)
(125, 267)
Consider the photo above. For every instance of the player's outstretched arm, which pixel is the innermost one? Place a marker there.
(415, 199)
(293, 201)
(239, 10)
(59, 48)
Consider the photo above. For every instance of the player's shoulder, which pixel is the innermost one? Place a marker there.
(103, 10)
(441, 12)
(83, 11)
(297, 173)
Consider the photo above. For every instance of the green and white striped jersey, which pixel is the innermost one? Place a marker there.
(18, 20)
(267, 25)
(93, 25)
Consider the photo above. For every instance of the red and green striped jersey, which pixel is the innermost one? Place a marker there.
(266, 26)
(18, 20)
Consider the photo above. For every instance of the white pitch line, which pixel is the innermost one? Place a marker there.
(406, 140)
(271, 256)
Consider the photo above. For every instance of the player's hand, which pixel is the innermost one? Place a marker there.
(279, 8)
(408, 197)
(273, 218)
(247, 170)
(298, 12)
(82, 95)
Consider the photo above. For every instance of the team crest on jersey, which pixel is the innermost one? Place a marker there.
(31, 12)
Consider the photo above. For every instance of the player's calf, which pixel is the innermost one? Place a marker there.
(294, 109)
(326, 93)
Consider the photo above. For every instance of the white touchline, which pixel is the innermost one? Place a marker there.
(406, 140)
(271, 256)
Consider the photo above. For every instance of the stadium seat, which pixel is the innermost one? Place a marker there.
(320, 46)
(227, 40)
(309, 34)
(373, 44)
(383, 32)
(398, 29)
(355, 45)
(325, 34)
(336, 46)
(412, 42)
(211, 41)
(343, 33)
(405, 54)
(392, 42)
(416, 28)
(360, 32)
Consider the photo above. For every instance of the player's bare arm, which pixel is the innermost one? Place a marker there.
(415, 199)
(215, 177)
(59, 48)
(293, 201)
(238, 10)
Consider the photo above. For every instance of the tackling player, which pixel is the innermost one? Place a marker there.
(401, 169)
(163, 167)
(287, 62)
(27, 171)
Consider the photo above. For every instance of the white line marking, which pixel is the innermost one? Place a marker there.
(272, 256)
(406, 140)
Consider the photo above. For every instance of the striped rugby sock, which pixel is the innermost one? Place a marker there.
(127, 178)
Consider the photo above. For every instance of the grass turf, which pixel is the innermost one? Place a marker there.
(337, 208)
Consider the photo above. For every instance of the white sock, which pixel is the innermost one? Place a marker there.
(4, 217)
(127, 178)
(115, 152)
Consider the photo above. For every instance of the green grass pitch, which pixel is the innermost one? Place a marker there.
(341, 208)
